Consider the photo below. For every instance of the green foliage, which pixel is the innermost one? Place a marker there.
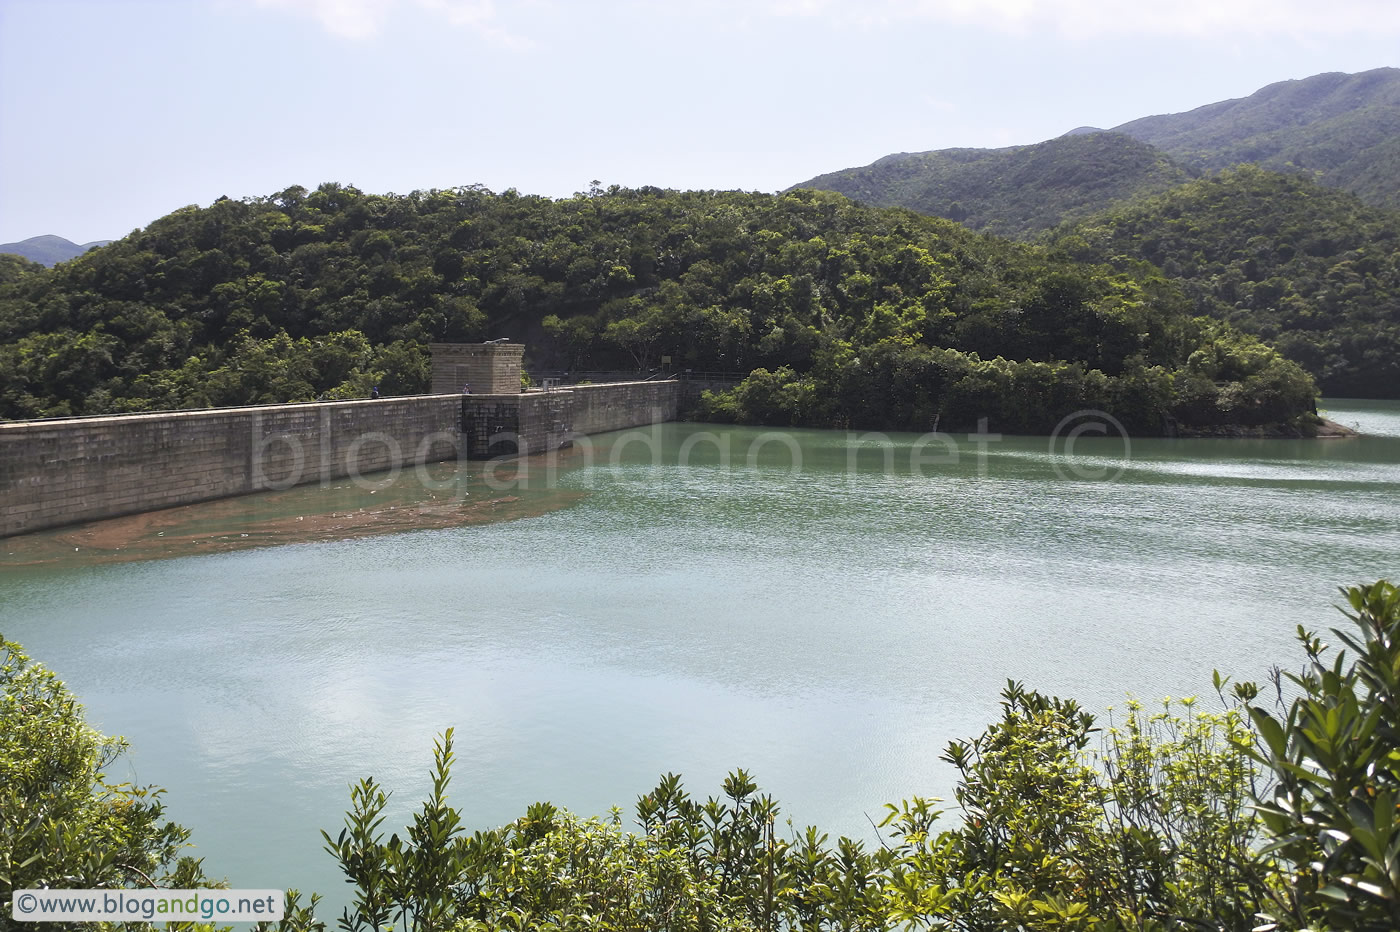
(1309, 269)
(1232, 382)
(1305, 267)
(1153, 832)
(13, 268)
(63, 823)
(1180, 788)
(1017, 191)
(1334, 815)
(327, 293)
(715, 865)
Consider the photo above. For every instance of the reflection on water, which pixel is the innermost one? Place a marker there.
(824, 610)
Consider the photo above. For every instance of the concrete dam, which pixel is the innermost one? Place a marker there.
(66, 471)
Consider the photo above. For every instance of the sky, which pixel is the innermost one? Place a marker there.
(114, 113)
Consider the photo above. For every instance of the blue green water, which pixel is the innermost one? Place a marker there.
(825, 610)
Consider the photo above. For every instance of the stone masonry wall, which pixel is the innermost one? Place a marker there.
(488, 368)
(60, 472)
(544, 419)
(620, 405)
(66, 471)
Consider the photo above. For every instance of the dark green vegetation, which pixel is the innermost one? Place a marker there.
(63, 823)
(1262, 815)
(1344, 129)
(1017, 191)
(1301, 265)
(48, 250)
(1341, 129)
(846, 315)
(1307, 268)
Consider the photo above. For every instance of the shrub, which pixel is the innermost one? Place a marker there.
(63, 823)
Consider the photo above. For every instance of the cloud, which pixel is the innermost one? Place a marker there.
(1074, 19)
(1095, 18)
(362, 19)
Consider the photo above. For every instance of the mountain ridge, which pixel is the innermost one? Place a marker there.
(49, 249)
(1013, 191)
(1341, 129)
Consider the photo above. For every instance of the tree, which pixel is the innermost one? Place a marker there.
(63, 823)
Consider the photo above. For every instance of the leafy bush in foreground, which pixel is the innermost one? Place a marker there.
(63, 823)
(1333, 818)
(1182, 819)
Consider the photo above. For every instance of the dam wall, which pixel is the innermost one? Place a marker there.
(57, 472)
(515, 425)
(66, 471)
(620, 405)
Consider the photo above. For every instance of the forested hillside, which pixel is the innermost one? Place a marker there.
(1342, 129)
(1017, 191)
(851, 315)
(1308, 268)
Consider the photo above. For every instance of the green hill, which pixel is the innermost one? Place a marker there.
(1343, 129)
(1306, 267)
(845, 315)
(49, 250)
(1016, 191)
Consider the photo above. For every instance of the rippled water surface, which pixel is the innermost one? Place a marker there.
(825, 609)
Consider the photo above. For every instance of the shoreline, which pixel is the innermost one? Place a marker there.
(1327, 429)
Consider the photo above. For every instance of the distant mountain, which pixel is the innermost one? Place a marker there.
(1311, 269)
(1017, 191)
(49, 250)
(1342, 128)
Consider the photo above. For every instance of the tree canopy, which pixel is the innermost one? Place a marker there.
(893, 319)
(1309, 269)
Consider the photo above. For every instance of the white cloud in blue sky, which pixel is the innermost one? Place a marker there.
(114, 112)
(361, 19)
(1067, 18)
(1092, 18)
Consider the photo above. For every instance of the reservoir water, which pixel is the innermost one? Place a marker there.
(824, 609)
